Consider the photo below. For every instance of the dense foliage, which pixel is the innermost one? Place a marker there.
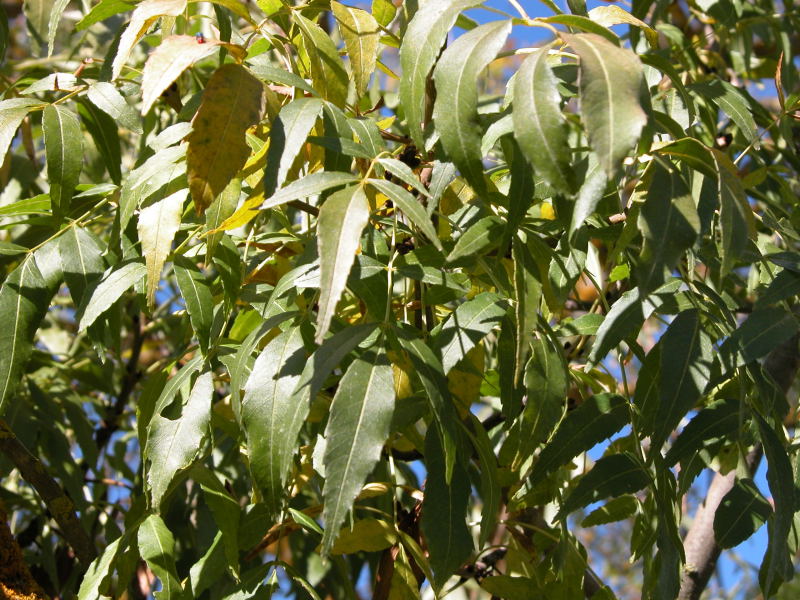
(336, 298)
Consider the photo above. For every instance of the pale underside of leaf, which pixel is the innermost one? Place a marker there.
(157, 226)
(361, 35)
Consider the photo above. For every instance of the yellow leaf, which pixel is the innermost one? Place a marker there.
(367, 535)
(327, 70)
(243, 215)
(157, 226)
(361, 35)
(464, 380)
(233, 101)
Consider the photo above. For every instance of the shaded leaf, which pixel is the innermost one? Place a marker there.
(81, 261)
(740, 514)
(717, 420)
(617, 509)
(64, 151)
(366, 535)
(410, 206)
(157, 547)
(762, 331)
(455, 111)
(233, 101)
(736, 221)
(341, 220)
(116, 281)
(197, 296)
(12, 112)
(359, 422)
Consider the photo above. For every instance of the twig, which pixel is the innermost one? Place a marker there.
(56, 500)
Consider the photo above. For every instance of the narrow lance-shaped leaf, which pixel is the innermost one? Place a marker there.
(310, 185)
(286, 136)
(174, 444)
(96, 577)
(116, 281)
(669, 224)
(718, 419)
(327, 70)
(478, 238)
(157, 548)
(359, 423)
(233, 101)
(410, 206)
(24, 297)
(598, 418)
(64, 150)
(107, 98)
(174, 55)
(361, 35)
(422, 43)
(144, 15)
(762, 331)
(741, 513)
(12, 112)
(611, 80)
(539, 127)
(444, 508)
(81, 261)
(197, 295)
(686, 356)
(341, 220)
(157, 226)
(455, 111)
(736, 220)
(527, 296)
(55, 16)
(267, 400)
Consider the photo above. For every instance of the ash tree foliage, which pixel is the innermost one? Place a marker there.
(335, 298)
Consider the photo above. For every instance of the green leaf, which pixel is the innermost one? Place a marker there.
(287, 135)
(96, 577)
(614, 510)
(486, 233)
(157, 226)
(328, 74)
(455, 111)
(410, 206)
(196, 294)
(269, 72)
(403, 172)
(740, 514)
(310, 185)
(144, 15)
(611, 80)
(105, 96)
(115, 282)
(208, 570)
(777, 565)
(539, 127)
(611, 476)
(102, 11)
(762, 331)
(157, 547)
(81, 261)
(171, 58)
(383, 11)
(444, 509)
(361, 34)
(511, 587)
(490, 479)
(733, 103)
(669, 224)
(12, 112)
(55, 16)
(267, 401)
(233, 101)
(736, 221)
(366, 535)
(24, 297)
(359, 423)
(785, 285)
(608, 16)
(717, 420)
(527, 296)
(422, 42)
(589, 195)
(686, 357)
(104, 132)
(174, 444)
(342, 218)
(466, 326)
(64, 151)
(596, 419)
(579, 21)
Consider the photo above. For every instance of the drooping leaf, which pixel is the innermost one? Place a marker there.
(716, 420)
(366, 535)
(310, 185)
(56, 11)
(24, 297)
(669, 224)
(359, 422)
(686, 357)
(422, 42)
(64, 150)
(611, 476)
(267, 400)
(196, 294)
(81, 261)
(233, 101)
(455, 111)
(341, 220)
(539, 127)
(490, 479)
(740, 514)
(611, 80)
(157, 226)
(527, 296)
(762, 331)
(171, 58)
(96, 577)
(173, 444)
(104, 132)
(596, 419)
(361, 34)
(467, 326)
(115, 282)
(613, 510)
(157, 547)
(144, 15)
(736, 220)
(443, 513)
(287, 135)
(480, 237)
(12, 112)
(328, 74)
(412, 208)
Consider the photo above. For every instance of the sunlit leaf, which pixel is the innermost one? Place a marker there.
(361, 34)
(327, 70)
(64, 150)
(157, 226)
(115, 282)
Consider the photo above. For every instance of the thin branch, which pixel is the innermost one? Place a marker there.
(57, 501)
